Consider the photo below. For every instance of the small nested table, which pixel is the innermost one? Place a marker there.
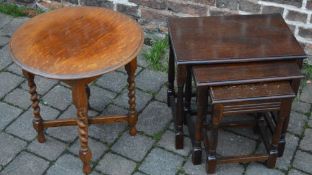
(77, 45)
(226, 40)
(247, 98)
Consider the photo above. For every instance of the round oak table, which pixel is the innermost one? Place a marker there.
(77, 45)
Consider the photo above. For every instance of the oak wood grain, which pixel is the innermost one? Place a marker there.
(83, 42)
(236, 38)
(251, 92)
(226, 74)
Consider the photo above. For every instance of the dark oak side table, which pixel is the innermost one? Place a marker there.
(241, 99)
(224, 40)
(77, 45)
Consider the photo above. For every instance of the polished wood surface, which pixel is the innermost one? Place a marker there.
(76, 42)
(250, 92)
(226, 74)
(232, 39)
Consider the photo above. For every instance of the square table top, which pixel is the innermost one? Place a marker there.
(238, 38)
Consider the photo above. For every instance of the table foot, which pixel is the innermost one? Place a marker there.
(86, 157)
(179, 140)
(38, 125)
(197, 156)
(170, 94)
(281, 146)
(272, 157)
(211, 164)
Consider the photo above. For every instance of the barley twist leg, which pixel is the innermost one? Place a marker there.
(133, 116)
(80, 99)
(37, 121)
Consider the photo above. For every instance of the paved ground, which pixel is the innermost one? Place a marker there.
(115, 152)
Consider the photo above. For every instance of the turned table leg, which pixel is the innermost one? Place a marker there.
(133, 115)
(37, 122)
(283, 114)
(179, 115)
(80, 100)
(281, 146)
(188, 91)
(171, 76)
(217, 115)
(202, 101)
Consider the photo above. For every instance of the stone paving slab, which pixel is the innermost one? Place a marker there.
(19, 97)
(306, 142)
(15, 69)
(27, 164)
(50, 150)
(117, 81)
(122, 99)
(9, 82)
(100, 98)
(260, 169)
(4, 40)
(150, 81)
(67, 164)
(151, 152)
(22, 126)
(10, 27)
(296, 172)
(301, 107)
(161, 162)
(230, 144)
(134, 148)
(306, 94)
(43, 85)
(115, 165)
(167, 143)
(297, 123)
(58, 97)
(303, 161)
(310, 123)
(8, 114)
(154, 118)
(97, 148)
(5, 57)
(4, 19)
(162, 94)
(10, 147)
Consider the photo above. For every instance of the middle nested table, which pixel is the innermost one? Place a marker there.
(224, 40)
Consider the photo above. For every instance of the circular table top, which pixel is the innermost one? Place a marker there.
(76, 42)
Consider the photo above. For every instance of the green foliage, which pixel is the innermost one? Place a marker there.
(181, 171)
(307, 70)
(156, 53)
(157, 136)
(17, 11)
